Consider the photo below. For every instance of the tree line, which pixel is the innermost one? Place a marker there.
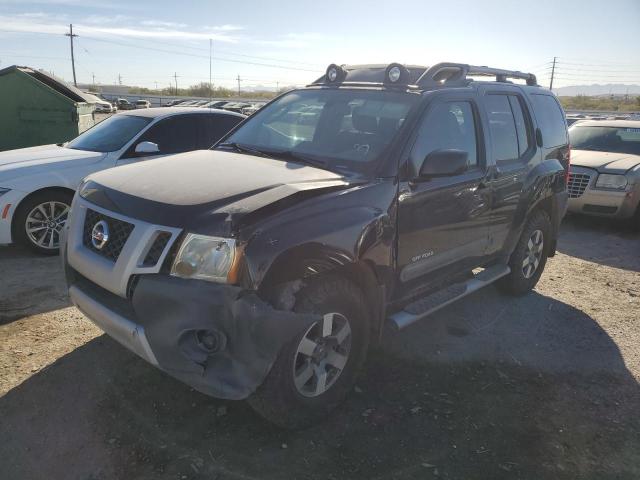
(202, 90)
(605, 103)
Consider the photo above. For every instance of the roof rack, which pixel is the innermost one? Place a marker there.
(447, 73)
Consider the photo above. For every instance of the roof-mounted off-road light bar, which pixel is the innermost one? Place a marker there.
(371, 75)
(415, 76)
(448, 73)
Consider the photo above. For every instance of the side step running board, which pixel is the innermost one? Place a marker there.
(431, 303)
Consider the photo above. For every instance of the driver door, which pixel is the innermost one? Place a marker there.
(443, 221)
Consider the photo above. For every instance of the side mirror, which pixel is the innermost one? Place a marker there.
(147, 148)
(539, 137)
(444, 163)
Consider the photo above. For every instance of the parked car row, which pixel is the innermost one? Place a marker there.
(246, 108)
(576, 117)
(239, 107)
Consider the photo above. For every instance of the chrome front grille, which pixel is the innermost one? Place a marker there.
(119, 232)
(577, 184)
(134, 247)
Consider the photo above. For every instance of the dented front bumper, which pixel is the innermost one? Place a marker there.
(219, 339)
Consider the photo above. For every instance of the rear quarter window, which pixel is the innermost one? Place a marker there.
(550, 118)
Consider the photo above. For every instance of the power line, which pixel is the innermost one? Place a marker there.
(227, 52)
(199, 56)
(31, 56)
(595, 62)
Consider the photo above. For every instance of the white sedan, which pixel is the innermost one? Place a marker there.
(37, 183)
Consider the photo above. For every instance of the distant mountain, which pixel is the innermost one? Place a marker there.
(595, 90)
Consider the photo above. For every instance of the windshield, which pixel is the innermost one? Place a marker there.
(342, 129)
(606, 139)
(109, 135)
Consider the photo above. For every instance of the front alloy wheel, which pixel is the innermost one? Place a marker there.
(321, 355)
(40, 220)
(44, 224)
(315, 371)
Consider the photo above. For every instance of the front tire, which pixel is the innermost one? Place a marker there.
(529, 258)
(316, 370)
(40, 220)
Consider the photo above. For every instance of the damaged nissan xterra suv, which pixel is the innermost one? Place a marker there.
(264, 268)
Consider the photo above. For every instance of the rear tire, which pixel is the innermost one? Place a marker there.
(529, 258)
(634, 222)
(40, 219)
(294, 395)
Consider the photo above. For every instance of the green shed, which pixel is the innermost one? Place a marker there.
(37, 109)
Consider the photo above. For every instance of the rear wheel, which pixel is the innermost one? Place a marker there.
(634, 222)
(316, 370)
(40, 220)
(529, 258)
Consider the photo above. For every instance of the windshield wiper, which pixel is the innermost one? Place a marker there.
(240, 147)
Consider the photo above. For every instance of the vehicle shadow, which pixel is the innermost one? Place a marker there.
(29, 284)
(600, 240)
(532, 388)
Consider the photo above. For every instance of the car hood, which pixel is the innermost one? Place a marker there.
(604, 162)
(25, 161)
(207, 191)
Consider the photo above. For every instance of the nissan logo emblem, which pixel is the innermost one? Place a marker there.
(100, 235)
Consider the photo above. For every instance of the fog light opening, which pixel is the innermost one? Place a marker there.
(210, 341)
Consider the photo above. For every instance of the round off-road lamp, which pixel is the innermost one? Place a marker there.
(335, 73)
(396, 74)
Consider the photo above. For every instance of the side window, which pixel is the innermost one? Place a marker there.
(449, 125)
(522, 126)
(173, 135)
(215, 127)
(550, 120)
(502, 127)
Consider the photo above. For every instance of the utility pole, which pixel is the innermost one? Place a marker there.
(71, 35)
(277, 87)
(93, 78)
(119, 79)
(239, 79)
(553, 72)
(175, 77)
(210, 58)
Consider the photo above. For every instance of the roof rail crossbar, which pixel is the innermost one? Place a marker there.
(458, 72)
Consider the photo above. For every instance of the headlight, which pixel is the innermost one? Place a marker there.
(205, 258)
(617, 182)
(4, 190)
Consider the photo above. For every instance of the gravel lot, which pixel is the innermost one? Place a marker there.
(543, 386)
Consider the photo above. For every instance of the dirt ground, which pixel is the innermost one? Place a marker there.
(539, 387)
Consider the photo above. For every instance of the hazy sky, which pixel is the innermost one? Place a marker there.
(292, 42)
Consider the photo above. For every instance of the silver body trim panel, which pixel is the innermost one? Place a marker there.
(113, 276)
(129, 334)
(403, 319)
